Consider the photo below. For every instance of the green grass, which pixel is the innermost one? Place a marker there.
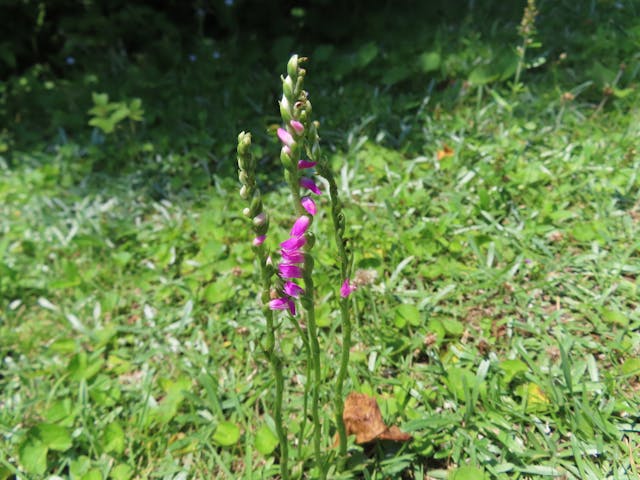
(501, 327)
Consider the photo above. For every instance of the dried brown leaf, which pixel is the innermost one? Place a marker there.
(363, 419)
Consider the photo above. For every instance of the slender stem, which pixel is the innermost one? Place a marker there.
(276, 365)
(337, 217)
(313, 346)
(312, 335)
(342, 373)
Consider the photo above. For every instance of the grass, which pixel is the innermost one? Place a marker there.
(500, 325)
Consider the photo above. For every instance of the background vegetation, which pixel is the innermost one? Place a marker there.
(495, 225)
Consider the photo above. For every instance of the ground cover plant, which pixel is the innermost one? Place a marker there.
(488, 167)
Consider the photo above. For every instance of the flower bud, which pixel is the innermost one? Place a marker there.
(244, 141)
(285, 158)
(285, 137)
(297, 126)
(287, 87)
(311, 239)
(246, 212)
(292, 66)
(244, 192)
(260, 219)
(285, 109)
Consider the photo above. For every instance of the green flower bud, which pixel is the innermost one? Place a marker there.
(260, 219)
(285, 110)
(292, 66)
(256, 205)
(311, 241)
(287, 87)
(285, 158)
(244, 192)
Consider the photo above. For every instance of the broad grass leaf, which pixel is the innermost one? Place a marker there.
(113, 438)
(407, 314)
(511, 368)
(122, 471)
(33, 456)
(429, 61)
(266, 440)
(226, 434)
(53, 436)
(469, 473)
(219, 291)
(93, 474)
(366, 54)
(459, 378)
(631, 366)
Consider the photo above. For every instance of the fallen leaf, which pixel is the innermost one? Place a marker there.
(446, 151)
(363, 419)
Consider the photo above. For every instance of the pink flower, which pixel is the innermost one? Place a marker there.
(310, 185)
(292, 256)
(293, 289)
(283, 304)
(290, 271)
(285, 137)
(309, 205)
(300, 226)
(297, 126)
(259, 240)
(306, 164)
(293, 243)
(278, 303)
(346, 289)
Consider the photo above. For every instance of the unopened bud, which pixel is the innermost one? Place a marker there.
(285, 158)
(292, 66)
(244, 192)
(246, 212)
(285, 109)
(287, 87)
(260, 219)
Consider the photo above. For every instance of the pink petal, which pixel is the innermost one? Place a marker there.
(259, 240)
(293, 289)
(293, 243)
(309, 205)
(292, 307)
(310, 185)
(346, 289)
(285, 137)
(292, 256)
(306, 164)
(297, 126)
(300, 226)
(279, 303)
(290, 271)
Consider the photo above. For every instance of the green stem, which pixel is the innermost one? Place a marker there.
(276, 365)
(313, 346)
(312, 335)
(337, 217)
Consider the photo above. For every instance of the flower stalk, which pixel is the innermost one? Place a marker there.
(344, 259)
(260, 225)
(295, 109)
(290, 284)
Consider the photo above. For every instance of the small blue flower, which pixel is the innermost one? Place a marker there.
(215, 54)
(70, 60)
(228, 3)
(193, 57)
